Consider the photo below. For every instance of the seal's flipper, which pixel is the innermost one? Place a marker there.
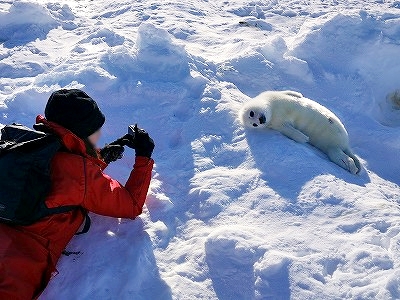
(356, 160)
(343, 160)
(293, 133)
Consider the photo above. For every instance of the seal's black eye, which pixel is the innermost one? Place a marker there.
(252, 114)
(255, 125)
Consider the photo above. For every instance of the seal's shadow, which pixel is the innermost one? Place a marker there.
(287, 166)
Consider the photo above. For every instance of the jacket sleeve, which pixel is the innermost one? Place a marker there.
(106, 196)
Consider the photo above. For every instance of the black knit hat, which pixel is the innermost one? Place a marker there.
(76, 111)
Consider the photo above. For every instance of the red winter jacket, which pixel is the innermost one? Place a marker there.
(28, 254)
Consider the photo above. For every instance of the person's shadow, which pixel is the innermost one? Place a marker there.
(115, 261)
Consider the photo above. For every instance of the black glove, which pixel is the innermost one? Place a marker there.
(127, 140)
(111, 152)
(137, 139)
(144, 144)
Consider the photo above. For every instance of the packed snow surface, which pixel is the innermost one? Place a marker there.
(231, 213)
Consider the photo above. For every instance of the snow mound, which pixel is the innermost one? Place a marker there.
(230, 255)
(29, 102)
(26, 21)
(272, 279)
(105, 35)
(29, 69)
(248, 10)
(360, 47)
(254, 22)
(389, 109)
(63, 14)
(323, 54)
(156, 58)
(276, 51)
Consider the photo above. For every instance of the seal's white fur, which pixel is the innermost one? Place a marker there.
(302, 120)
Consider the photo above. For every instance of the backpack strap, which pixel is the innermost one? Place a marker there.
(5, 146)
(67, 208)
(87, 224)
(60, 209)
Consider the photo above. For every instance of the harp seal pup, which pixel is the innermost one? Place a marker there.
(304, 121)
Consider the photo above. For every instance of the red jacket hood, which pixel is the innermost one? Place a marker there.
(73, 143)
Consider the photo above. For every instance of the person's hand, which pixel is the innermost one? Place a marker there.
(144, 144)
(139, 140)
(127, 140)
(111, 153)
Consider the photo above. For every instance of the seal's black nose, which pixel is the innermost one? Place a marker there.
(262, 119)
(255, 125)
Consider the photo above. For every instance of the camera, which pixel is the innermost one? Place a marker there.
(132, 129)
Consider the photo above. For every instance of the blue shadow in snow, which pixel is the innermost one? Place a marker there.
(287, 166)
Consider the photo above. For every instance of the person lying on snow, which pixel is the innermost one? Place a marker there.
(29, 254)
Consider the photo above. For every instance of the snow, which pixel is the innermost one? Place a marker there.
(231, 213)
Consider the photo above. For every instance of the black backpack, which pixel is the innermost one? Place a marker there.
(25, 157)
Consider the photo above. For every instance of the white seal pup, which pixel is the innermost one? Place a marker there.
(304, 121)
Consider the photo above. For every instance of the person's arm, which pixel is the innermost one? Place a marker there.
(106, 196)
